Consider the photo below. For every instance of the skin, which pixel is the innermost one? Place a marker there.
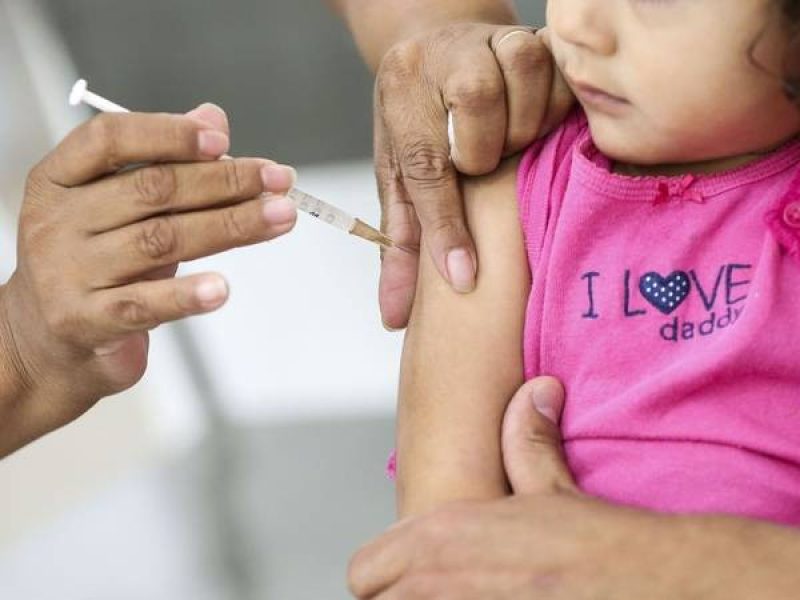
(694, 102)
(466, 352)
(74, 317)
(457, 361)
(98, 248)
(548, 542)
(503, 93)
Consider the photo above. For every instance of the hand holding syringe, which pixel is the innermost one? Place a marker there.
(305, 202)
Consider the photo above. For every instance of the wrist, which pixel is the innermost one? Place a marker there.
(16, 382)
(377, 26)
(17, 387)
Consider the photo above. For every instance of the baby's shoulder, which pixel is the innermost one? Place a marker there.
(548, 160)
(552, 150)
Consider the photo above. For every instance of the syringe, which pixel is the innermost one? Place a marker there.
(312, 205)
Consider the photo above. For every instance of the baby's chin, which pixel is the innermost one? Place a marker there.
(640, 149)
(641, 152)
(629, 142)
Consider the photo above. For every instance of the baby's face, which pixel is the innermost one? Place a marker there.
(672, 81)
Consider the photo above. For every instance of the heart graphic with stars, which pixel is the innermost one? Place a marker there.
(665, 293)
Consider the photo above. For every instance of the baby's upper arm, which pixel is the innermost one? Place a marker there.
(463, 359)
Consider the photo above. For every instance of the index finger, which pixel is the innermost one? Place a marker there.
(381, 563)
(528, 71)
(431, 183)
(109, 142)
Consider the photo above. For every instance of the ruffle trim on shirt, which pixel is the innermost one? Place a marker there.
(784, 219)
(593, 170)
(680, 189)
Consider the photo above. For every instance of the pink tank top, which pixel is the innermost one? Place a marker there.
(670, 309)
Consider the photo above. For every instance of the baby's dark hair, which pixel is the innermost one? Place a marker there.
(791, 10)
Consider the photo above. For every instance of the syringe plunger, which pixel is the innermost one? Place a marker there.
(306, 202)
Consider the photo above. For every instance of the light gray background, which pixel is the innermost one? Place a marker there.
(286, 71)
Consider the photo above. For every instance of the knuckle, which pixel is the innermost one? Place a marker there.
(235, 230)
(131, 312)
(400, 64)
(181, 133)
(539, 441)
(35, 181)
(61, 321)
(157, 239)
(182, 300)
(445, 227)
(426, 163)
(234, 178)
(38, 191)
(102, 134)
(477, 93)
(155, 186)
(528, 55)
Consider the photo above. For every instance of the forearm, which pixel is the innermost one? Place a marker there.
(15, 387)
(730, 558)
(36, 397)
(462, 362)
(377, 25)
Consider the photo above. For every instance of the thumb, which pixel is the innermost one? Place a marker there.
(531, 439)
(398, 280)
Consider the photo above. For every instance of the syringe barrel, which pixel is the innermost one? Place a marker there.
(321, 210)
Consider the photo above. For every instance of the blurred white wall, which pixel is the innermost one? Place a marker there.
(48, 477)
(301, 335)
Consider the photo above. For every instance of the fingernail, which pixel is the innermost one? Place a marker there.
(278, 178)
(210, 114)
(279, 211)
(461, 270)
(212, 144)
(391, 329)
(548, 399)
(211, 292)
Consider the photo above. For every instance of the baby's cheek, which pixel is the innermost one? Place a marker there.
(666, 133)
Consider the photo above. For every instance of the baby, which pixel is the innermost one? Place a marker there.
(647, 253)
